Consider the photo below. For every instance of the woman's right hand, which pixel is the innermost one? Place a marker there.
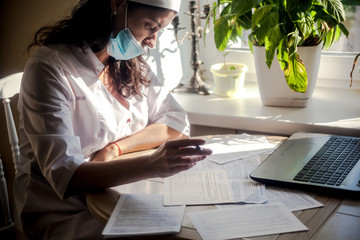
(170, 158)
(175, 156)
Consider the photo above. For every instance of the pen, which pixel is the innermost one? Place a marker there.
(198, 147)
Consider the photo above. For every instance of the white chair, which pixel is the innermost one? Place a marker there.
(9, 87)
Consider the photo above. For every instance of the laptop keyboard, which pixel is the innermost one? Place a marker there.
(332, 163)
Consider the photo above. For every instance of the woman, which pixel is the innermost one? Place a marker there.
(88, 96)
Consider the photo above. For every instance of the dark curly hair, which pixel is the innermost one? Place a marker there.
(90, 24)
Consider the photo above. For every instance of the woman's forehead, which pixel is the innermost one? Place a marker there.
(158, 16)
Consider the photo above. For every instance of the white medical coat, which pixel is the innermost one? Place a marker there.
(66, 115)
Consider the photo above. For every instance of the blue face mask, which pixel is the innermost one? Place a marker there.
(124, 46)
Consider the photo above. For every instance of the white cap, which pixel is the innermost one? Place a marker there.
(168, 4)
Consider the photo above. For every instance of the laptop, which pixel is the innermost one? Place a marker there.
(314, 162)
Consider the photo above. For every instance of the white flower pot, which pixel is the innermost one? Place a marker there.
(228, 82)
(273, 88)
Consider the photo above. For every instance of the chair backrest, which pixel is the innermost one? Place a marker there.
(12, 133)
(9, 89)
(6, 220)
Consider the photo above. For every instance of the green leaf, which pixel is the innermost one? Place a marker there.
(335, 9)
(344, 30)
(329, 39)
(271, 42)
(226, 10)
(240, 7)
(337, 33)
(321, 14)
(293, 42)
(326, 23)
(322, 30)
(295, 74)
(261, 13)
(223, 28)
(296, 7)
(235, 34)
(283, 54)
(245, 20)
(266, 25)
(306, 26)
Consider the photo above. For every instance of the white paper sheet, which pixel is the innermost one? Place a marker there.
(143, 214)
(197, 187)
(295, 200)
(245, 221)
(248, 191)
(238, 147)
(242, 187)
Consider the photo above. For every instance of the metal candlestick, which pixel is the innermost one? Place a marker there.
(197, 85)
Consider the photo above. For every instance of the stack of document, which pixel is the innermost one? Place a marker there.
(221, 179)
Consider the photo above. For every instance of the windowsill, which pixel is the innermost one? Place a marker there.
(333, 111)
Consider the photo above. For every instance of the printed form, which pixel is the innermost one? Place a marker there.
(214, 184)
(245, 221)
(194, 187)
(143, 214)
(197, 187)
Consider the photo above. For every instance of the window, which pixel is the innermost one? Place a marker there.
(352, 23)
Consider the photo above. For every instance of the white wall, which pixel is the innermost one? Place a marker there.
(19, 20)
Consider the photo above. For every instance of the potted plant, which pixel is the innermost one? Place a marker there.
(228, 77)
(279, 29)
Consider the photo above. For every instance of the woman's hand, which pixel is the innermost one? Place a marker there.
(170, 158)
(175, 156)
